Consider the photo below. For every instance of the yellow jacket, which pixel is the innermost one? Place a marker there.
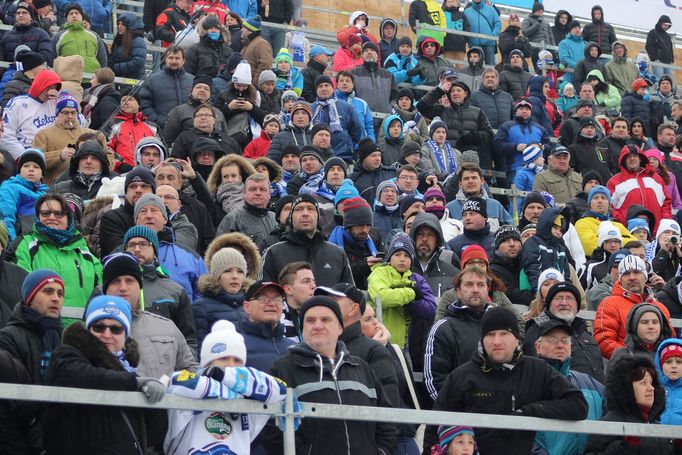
(588, 227)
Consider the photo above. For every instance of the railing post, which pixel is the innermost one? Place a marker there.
(515, 202)
(289, 431)
(379, 309)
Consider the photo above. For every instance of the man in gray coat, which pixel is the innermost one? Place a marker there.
(537, 29)
(373, 83)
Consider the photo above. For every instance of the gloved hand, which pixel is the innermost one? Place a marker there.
(413, 72)
(281, 421)
(418, 295)
(217, 373)
(149, 36)
(152, 388)
(562, 66)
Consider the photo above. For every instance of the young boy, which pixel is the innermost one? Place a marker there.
(20, 193)
(223, 376)
(289, 98)
(669, 366)
(392, 141)
(546, 249)
(455, 440)
(259, 147)
(640, 229)
(270, 95)
(288, 76)
(533, 164)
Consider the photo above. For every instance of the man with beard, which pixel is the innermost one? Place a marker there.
(611, 145)
(374, 84)
(506, 264)
(476, 228)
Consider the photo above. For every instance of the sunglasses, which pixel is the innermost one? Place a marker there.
(56, 213)
(101, 328)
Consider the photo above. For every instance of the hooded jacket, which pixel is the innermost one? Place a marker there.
(510, 39)
(390, 146)
(538, 101)
(18, 202)
(242, 243)
(587, 64)
(483, 19)
(634, 105)
(585, 156)
(75, 39)
(600, 32)
(207, 57)
(537, 30)
(399, 65)
(659, 44)
(620, 72)
(216, 304)
(344, 59)
(571, 51)
(256, 223)
(455, 20)
(644, 187)
(432, 65)
(312, 71)
(670, 297)
(544, 251)
(126, 131)
(672, 415)
(74, 184)
(472, 74)
(559, 31)
(363, 111)
(634, 344)
(387, 48)
(345, 33)
(183, 266)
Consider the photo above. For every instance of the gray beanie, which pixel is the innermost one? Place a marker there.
(226, 259)
(265, 76)
(470, 156)
(149, 199)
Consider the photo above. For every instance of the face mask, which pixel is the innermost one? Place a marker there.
(214, 36)
(647, 96)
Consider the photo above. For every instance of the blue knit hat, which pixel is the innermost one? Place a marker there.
(37, 280)
(146, 233)
(347, 190)
(599, 189)
(636, 224)
(66, 100)
(108, 307)
(400, 242)
(531, 153)
(447, 433)
(253, 24)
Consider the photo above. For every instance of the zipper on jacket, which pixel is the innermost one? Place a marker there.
(513, 403)
(338, 394)
(80, 272)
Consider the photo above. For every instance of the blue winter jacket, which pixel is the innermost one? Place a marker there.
(571, 51)
(19, 198)
(482, 19)
(515, 132)
(523, 180)
(183, 267)
(673, 390)
(398, 65)
(296, 80)
(7, 76)
(245, 8)
(99, 11)
(31, 35)
(537, 99)
(343, 142)
(133, 66)
(214, 306)
(363, 111)
(263, 346)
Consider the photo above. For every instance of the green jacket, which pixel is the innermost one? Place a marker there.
(609, 99)
(396, 290)
(76, 40)
(78, 267)
(620, 73)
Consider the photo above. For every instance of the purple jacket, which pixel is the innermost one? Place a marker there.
(424, 306)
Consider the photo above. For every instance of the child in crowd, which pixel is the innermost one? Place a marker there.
(270, 95)
(669, 366)
(288, 76)
(568, 99)
(20, 193)
(546, 249)
(640, 229)
(437, 153)
(455, 440)
(645, 73)
(223, 376)
(259, 147)
(289, 98)
(392, 141)
(533, 164)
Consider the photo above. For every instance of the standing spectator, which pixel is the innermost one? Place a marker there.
(129, 49)
(233, 23)
(659, 45)
(173, 20)
(11, 278)
(561, 26)
(472, 74)
(76, 39)
(485, 20)
(278, 12)
(388, 44)
(127, 128)
(506, 264)
(101, 99)
(636, 103)
(256, 51)
(587, 64)
(348, 56)
(599, 31)
(150, 12)
(427, 12)
(429, 58)
(358, 24)
(208, 56)
(454, 45)
(374, 84)
(19, 82)
(97, 12)
(571, 49)
(511, 39)
(514, 79)
(585, 155)
(537, 29)
(620, 72)
(403, 64)
(317, 64)
(26, 32)
(369, 173)
(345, 91)
(559, 179)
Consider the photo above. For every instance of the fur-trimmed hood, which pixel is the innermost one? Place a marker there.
(240, 242)
(78, 337)
(274, 169)
(215, 177)
(97, 204)
(619, 393)
(209, 286)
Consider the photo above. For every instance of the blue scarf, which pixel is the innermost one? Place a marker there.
(598, 216)
(277, 190)
(340, 236)
(451, 167)
(331, 117)
(59, 236)
(326, 192)
(50, 330)
(121, 356)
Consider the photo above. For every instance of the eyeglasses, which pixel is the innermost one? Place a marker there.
(203, 115)
(262, 299)
(142, 244)
(554, 340)
(409, 178)
(55, 213)
(101, 328)
(68, 113)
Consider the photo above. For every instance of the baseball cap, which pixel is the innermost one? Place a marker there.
(344, 290)
(317, 50)
(258, 286)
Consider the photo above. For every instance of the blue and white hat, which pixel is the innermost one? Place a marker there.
(108, 307)
(550, 274)
(531, 153)
(223, 341)
(66, 100)
(608, 231)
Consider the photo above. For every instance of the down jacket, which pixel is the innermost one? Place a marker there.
(207, 57)
(672, 415)
(600, 32)
(497, 105)
(589, 63)
(544, 251)
(620, 72)
(344, 141)
(659, 43)
(32, 36)
(214, 305)
(132, 66)
(18, 202)
(163, 91)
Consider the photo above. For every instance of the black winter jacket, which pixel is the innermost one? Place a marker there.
(32, 36)
(514, 81)
(11, 278)
(73, 185)
(600, 32)
(585, 156)
(497, 105)
(348, 380)
(182, 148)
(668, 296)
(510, 39)
(659, 44)
(589, 63)
(18, 432)
(312, 71)
(108, 103)
(611, 147)
(577, 206)
(181, 118)
(560, 31)
(634, 105)
(115, 223)
(291, 134)
(19, 85)
(509, 270)
(526, 385)
(207, 57)
(198, 214)
(366, 181)
(163, 91)
(280, 11)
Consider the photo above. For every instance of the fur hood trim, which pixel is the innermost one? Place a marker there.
(78, 337)
(215, 177)
(240, 242)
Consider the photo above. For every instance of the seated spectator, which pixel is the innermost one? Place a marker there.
(368, 85)
(207, 57)
(21, 192)
(86, 169)
(369, 173)
(646, 328)
(567, 98)
(635, 103)
(386, 209)
(665, 252)
(102, 99)
(604, 287)
(311, 174)
(559, 179)
(358, 24)
(571, 49)
(514, 79)
(392, 140)
(429, 58)
(533, 163)
(506, 264)
(205, 127)
(318, 61)
(270, 95)
(544, 112)
(578, 205)
(606, 95)
(414, 123)
(129, 49)
(472, 75)
(259, 147)
(226, 184)
(345, 91)
(588, 64)
(321, 137)
(547, 248)
(127, 128)
(588, 225)
(76, 39)
(476, 229)
(348, 56)
(403, 64)
(186, 234)
(20, 82)
(438, 156)
(26, 32)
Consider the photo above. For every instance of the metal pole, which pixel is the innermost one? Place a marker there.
(515, 201)
(289, 435)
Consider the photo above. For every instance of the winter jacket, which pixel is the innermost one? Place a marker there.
(115, 223)
(482, 19)
(577, 206)
(585, 354)
(18, 84)
(497, 215)
(659, 44)
(598, 292)
(347, 380)
(11, 278)
(611, 317)
(258, 53)
(519, 131)
(254, 222)
(366, 181)
(376, 86)
(562, 186)
(291, 134)
(544, 251)
(510, 39)
(246, 9)
(98, 11)
(84, 362)
(537, 30)
(133, 65)
(109, 99)
(455, 20)
(76, 186)
(75, 39)
(472, 74)
(172, 20)
(312, 71)
(669, 297)
(391, 147)
(432, 65)
(467, 125)
(450, 344)
(611, 147)
(183, 266)
(18, 202)
(514, 81)
(163, 91)
(181, 118)
(538, 101)
(620, 72)
(216, 304)
(497, 105)
(362, 110)
(599, 32)
(399, 65)
(293, 80)
(126, 131)
(30, 35)
(344, 141)
(672, 415)
(585, 156)
(586, 65)
(258, 147)
(588, 227)
(343, 59)
(509, 270)
(414, 124)
(404, 298)
(571, 51)
(387, 48)
(531, 388)
(560, 31)
(350, 29)
(207, 57)
(328, 261)
(634, 105)
(264, 344)
(627, 189)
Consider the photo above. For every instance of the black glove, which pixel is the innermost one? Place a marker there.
(418, 295)
(413, 72)
(422, 71)
(150, 37)
(217, 373)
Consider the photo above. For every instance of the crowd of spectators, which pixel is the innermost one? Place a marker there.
(228, 227)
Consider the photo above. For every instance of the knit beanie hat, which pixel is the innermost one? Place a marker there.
(352, 40)
(335, 161)
(616, 257)
(636, 313)
(591, 175)
(202, 79)
(144, 232)
(33, 155)
(636, 224)
(529, 227)
(400, 242)
(27, 60)
(564, 286)
(405, 91)
(476, 204)
(66, 100)
(537, 6)
(522, 103)
(470, 156)
(438, 210)
(410, 147)
(4, 235)
(284, 56)
(140, 174)
(386, 184)
(588, 121)
(519, 53)
(242, 74)
(531, 153)
(639, 83)
(304, 198)
(370, 45)
(505, 233)
(631, 263)
(223, 341)
(319, 300)
(407, 41)
(301, 105)
(446, 434)
(533, 197)
(574, 23)
(279, 206)
(550, 274)
(356, 212)
(211, 21)
(120, 264)
(434, 192)
(670, 350)
(267, 76)
(407, 201)
(19, 49)
(607, 231)
(667, 224)
(346, 191)
(473, 252)
(319, 127)
(253, 24)
(147, 200)
(435, 125)
(109, 307)
(599, 189)
(311, 150)
(499, 318)
(366, 148)
(287, 95)
(225, 259)
(323, 79)
(37, 280)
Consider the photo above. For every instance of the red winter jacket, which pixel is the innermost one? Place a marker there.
(126, 132)
(258, 147)
(344, 60)
(643, 187)
(346, 32)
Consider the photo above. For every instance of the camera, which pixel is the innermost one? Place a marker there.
(674, 240)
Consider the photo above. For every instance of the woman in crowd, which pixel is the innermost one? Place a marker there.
(129, 49)
(209, 55)
(638, 133)
(646, 328)
(226, 184)
(657, 162)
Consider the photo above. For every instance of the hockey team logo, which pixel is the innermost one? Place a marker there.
(111, 309)
(218, 426)
(471, 206)
(218, 348)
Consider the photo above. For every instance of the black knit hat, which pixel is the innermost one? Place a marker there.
(537, 6)
(322, 79)
(588, 121)
(290, 149)
(499, 318)
(202, 79)
(505, 233)
(573, 24)
(319, 127)
(591, 175)
(120, 264)
(435, 125)
(476, 204)
(563, 286)
(400, 242)
(319, 300)
(311, 150)
(410, 147)
(405, 40)
(140, 174)
(284, 200)
(28, 60)
(533, 196)
(75, 6)
(34, 155)
(335, 161)
(366, 148)
(211, 21)
(407, 201)
(370, 45)
(303, 198)
(406, 91)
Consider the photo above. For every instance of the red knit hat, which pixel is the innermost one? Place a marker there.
(639, 83)
(671, 350)
(353, 39)
(473, 252)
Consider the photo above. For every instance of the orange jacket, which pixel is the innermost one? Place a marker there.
(612, 314)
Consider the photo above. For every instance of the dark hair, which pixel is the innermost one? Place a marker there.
(345, 73)
(665, 126)
(286, 275)
(620, 119)
(478, 271)
(105, 75)
(53, 197)
(203, 106)
(633, 244)
(406, 168)
(638, 373)
(87, 137)
(173, 49)
(469, 167)
(235, 16)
